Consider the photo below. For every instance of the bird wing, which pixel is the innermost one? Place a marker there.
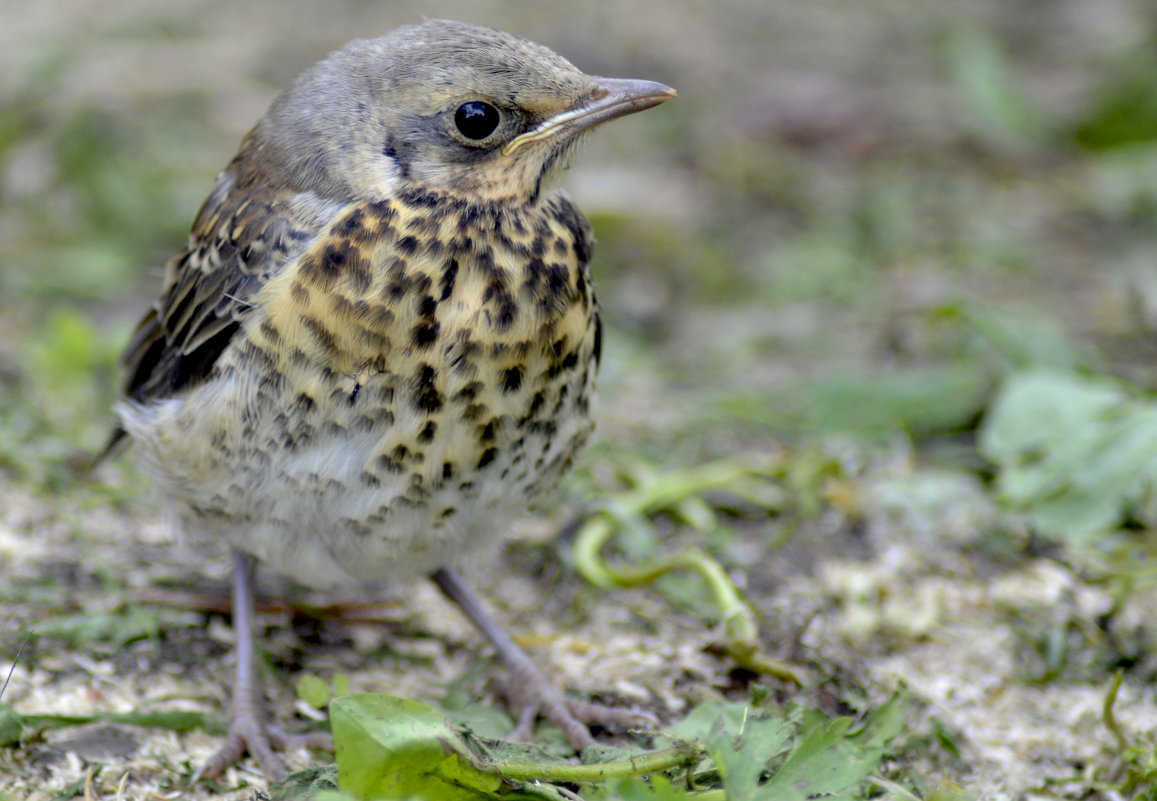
(245, 233)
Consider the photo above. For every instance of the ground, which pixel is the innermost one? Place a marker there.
(839, 256)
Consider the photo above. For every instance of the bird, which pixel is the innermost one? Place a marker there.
(379, 347)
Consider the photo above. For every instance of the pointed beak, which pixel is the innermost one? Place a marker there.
(612, 98)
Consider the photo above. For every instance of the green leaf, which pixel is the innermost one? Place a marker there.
(821, 764)
(1123, 110)
(393, 748)
(742, 757)
(314, 783)
(708, 719)
(389, 747)
(1075, 453)
(11, 726)
(946, 737)
(1020, 338)
(75, 789)
(124, 626)
(830, 763)
(313, 690)
(333, 795)
(175, 720)
(817, 755)
(884, 724)
(656, 788)
(993, 107)
(923, 400)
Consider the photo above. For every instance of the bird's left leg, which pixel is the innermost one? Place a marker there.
(529, 691)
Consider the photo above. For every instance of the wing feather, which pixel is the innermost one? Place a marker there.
(245, 233)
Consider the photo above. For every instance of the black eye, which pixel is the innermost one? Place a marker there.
(476, 119)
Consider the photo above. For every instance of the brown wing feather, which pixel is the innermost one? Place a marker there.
(246, 231)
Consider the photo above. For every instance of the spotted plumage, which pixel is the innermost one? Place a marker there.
(380, 344)
(420, 353)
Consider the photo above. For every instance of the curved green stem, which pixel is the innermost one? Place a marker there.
(684, 754)
(630, 509)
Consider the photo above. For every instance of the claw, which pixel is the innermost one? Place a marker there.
(537, 696)
(247, 734)
(250, 734)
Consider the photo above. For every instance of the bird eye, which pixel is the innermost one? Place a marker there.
(476, 119)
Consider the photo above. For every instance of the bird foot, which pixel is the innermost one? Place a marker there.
(531, 694)
(249, 733)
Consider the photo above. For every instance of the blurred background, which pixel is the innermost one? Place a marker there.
(857, 224)
(842, 194)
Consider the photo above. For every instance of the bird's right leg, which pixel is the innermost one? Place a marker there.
(249, 729)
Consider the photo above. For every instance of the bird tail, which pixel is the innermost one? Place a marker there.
(117, 442)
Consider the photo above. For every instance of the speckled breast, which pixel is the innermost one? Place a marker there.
(413, 382)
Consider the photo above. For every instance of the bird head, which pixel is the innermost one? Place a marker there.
(443, 106)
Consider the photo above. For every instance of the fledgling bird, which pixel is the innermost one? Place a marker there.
(379, 346)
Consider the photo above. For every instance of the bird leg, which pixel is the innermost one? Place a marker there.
(248, 728)
(529, 691)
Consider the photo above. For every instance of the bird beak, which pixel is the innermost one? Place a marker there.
(612, 97)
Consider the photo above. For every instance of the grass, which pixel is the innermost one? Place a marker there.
(931, 318)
